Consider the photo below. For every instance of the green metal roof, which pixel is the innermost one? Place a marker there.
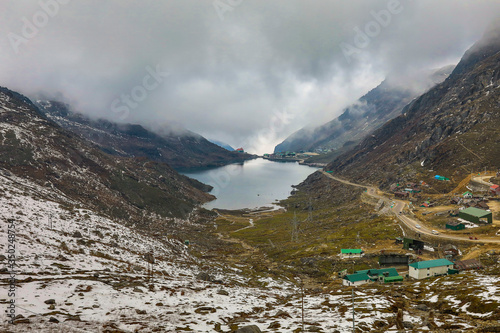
(364, 271)
(475, 212)
(375, 272)
(347, 251)
(392, 271)
(393, 278)
(430, 263)
(357, 277)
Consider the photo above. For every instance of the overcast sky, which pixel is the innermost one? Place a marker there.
(247, 72)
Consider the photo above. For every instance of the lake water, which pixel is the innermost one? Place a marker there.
(255, 183)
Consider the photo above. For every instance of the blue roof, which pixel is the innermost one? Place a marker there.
(430, 263)
(357, 277)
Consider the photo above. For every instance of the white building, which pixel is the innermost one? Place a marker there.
(351, 253)
(356, 279)
(429, 268)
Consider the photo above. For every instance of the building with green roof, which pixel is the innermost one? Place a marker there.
(476, 215)
(356, 279)
(454, 225)
(429, 268)
(379, 274)
(391, 279)
(351, 253)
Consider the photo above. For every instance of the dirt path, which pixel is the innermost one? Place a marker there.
(250, 252)
(251, 225)
(414, 224)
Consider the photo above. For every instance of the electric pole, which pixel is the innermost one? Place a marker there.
(353, 319)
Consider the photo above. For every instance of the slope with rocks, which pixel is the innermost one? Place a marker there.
(78, 271)
(450, 130)
(371, 111)
(33, 147)
(179, 148)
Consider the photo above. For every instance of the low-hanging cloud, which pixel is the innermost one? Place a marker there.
(227, 71)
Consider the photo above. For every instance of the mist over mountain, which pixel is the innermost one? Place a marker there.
(36, 149)
(222, 144)
(227, 74)
(450, 130)
(173, 145)
(361, 118)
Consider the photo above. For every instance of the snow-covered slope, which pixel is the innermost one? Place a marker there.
(33, 147)
(78, 271)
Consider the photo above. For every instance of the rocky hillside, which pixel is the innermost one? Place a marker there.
(78, 271)
(371, 111)
(35, 148)
(184, 150)
(451, 130)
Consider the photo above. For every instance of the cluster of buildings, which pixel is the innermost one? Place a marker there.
(469, 200)
(474, 209)
(405, 191)
(289, 155)
(416, 270)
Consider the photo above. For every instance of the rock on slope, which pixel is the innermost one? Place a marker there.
(33, 147)
(360, 119)
(453, 128)
(179, 148)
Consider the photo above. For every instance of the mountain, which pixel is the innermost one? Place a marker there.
(451, 130)
(222, 144)
(35, 148)
(361, 118)
(179, 148)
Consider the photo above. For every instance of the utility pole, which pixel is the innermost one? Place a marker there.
(310, 217)
(302, 289)
(353, 319)
(295, 231)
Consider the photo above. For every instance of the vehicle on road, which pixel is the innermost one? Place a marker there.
(434, 232)
(417, 226)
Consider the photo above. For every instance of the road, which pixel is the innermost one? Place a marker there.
(481, 180)
(410, 222)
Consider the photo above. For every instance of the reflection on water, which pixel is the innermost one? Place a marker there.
(255, 183)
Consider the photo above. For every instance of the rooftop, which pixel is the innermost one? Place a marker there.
(375, 272)
(475, 212)
(347, 251)
(357, 277)
(430, 263)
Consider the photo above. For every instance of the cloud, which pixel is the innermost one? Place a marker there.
(227, 78)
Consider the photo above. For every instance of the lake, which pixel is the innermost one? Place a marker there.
(255, 183)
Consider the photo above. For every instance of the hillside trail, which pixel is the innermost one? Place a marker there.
(250, 252)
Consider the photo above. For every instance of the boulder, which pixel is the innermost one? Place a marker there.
(222, 292)
(422, 307)
(249, 329)
(204, 277)
(282, 314)
(274, 324)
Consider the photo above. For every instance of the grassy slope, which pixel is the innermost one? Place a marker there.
(339, 220)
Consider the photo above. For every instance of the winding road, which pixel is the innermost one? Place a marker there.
(397, 207)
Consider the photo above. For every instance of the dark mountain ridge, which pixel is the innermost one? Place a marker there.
(37, 149)
(181, 149)
(452, 129)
